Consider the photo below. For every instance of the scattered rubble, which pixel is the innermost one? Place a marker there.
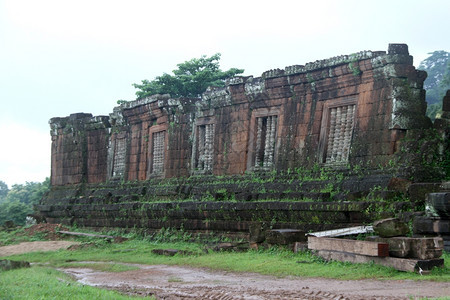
(391, 248)
(47, 230)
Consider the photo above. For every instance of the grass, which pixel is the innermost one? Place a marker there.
(43, 281)
(46, 283)
(275, 261)
(16, 236)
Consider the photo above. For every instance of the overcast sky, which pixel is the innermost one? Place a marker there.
(59, 57)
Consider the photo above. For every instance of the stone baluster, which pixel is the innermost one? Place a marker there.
(259, 133)
(331, 135)
(158, 152)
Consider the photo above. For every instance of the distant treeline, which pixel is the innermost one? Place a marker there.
(16, 203)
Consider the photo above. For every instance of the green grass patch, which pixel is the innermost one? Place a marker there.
(16, 236)
(46, 283)
(275, 261)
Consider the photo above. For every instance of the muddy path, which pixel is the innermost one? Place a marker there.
(180, 282)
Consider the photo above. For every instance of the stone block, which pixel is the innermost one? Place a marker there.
(427, 225)
(398, 49)
(257, 232)
(390, 227)
(418, 191)
(170, 252)
(300, 247)
(439, 204)
(399, 184)
(6, 265)
(284, 236)
(407, 247)
(426, 248)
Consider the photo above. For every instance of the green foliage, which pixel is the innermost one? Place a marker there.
(191, 78)
(19, 200)
(28, 193)
(3, 191)
(438, 81)
(15, 211)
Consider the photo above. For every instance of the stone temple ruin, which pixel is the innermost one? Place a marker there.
(334, 143)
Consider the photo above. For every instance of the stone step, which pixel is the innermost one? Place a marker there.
(438, 204)
(431, 226)
(445, 186)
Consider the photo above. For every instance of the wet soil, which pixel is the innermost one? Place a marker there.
(35, 246)
(46, 231)
(179, 282)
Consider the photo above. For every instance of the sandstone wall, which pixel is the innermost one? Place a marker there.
(312, 147)
(342, 112)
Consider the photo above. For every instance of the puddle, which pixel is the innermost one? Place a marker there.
(180, 282)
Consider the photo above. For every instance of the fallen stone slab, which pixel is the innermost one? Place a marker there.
(117, 239)
(401, 264)
(390, 227)
(408, 247)
(342, 231)
(284, 236)
(368, 248)
(6, 264)
(170, 252)
(237, 246)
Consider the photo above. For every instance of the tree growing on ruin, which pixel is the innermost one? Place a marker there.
(191, 78)
(437, 65)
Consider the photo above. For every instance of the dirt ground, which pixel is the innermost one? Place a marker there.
(177, 282)
(35, 246)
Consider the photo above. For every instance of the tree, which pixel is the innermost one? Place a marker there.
(28, 193)
(19, 201)
(191, 78)
(445, 83)
(438, 81)
(3, 190)
(15, 211)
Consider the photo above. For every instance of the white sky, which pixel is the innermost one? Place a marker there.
(59, 57)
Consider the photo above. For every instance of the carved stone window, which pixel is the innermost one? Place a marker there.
(338, 120)
(157, 147)
(205, 148)
(263, 139)
(158, 143)
(117, 154)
